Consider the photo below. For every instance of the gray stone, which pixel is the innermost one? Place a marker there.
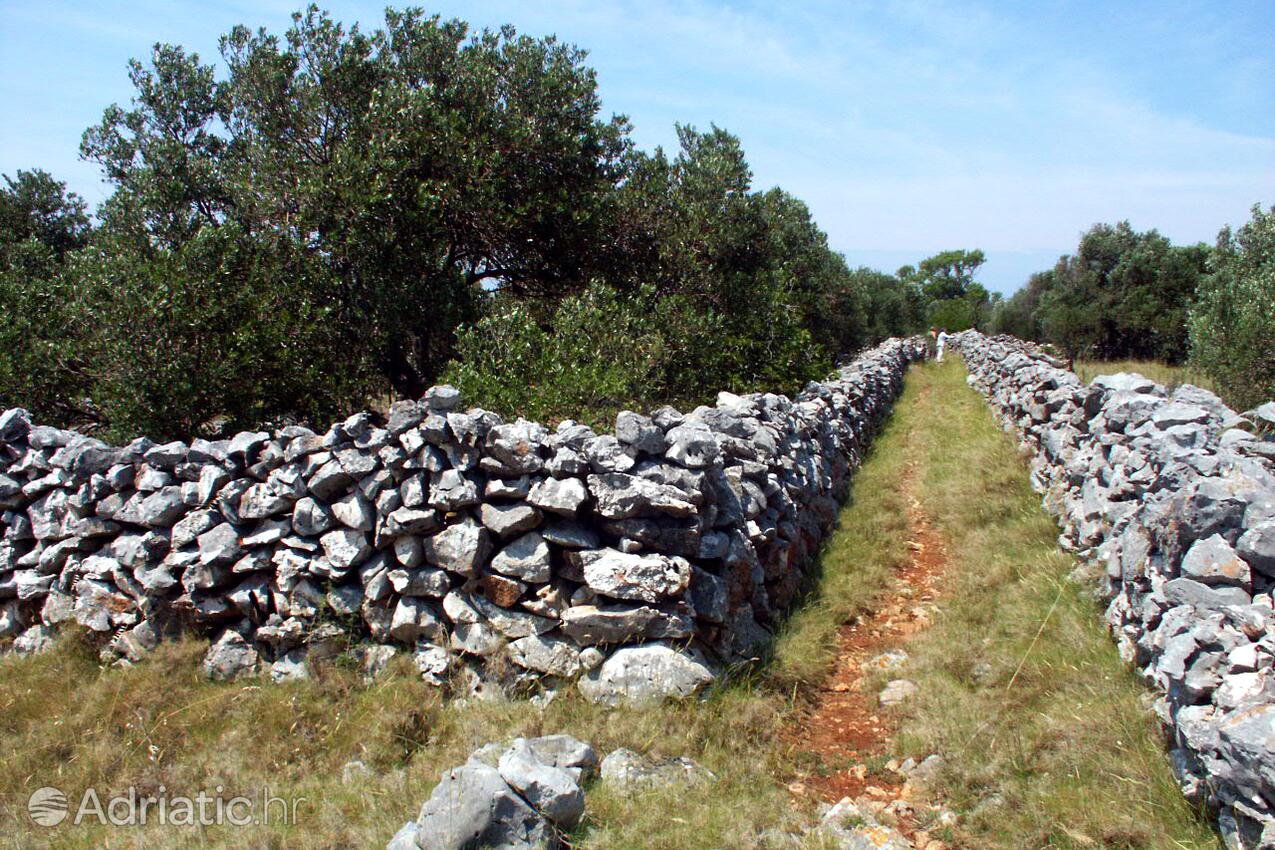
(607, 454)
(526, 558)
(509, 520)
(409, 551)
(1130, 382)
(453, 491)
(472, 807)
(511, 622)
(413, 619)
(354, 511)
(508, 488)
(345, 547)
(571, 535)
(563, 751)
(461, 548)
(476, 639)
(897, 691)
(621, 496)
(162, 508)
(605, 624)
(546, 654)
(230, 657)
(407, 838)
(643, 578)
(442, 398)
(1185, 591)
(645, 673)
(411, 521)
(34, 640)
(1212, 561)
(290, 667)
(639, 432)
(560, 496)
(1257, 547)
(263, 500)
(552, 791)
(219, 545)
(15, 424)
(631, 771)
(420, 582)
(329, 481)
(516, 446)
(852, 827)
(693, 445)
(345, 600)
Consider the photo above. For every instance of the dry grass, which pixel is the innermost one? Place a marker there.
(70, 725)
(1047, 737)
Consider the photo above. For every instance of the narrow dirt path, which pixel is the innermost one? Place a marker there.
(846, 727)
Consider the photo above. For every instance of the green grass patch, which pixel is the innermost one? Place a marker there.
(1047, 736)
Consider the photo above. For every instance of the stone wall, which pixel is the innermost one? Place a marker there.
(640, 559)
(1171, 496)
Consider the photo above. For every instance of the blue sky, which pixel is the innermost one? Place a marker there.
(908, 127)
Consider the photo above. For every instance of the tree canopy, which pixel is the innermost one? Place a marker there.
(333, 215)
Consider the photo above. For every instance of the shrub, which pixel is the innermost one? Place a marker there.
(1232, 324)
(593, 354)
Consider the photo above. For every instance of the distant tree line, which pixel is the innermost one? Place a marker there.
(339, 215)
(1130, 295)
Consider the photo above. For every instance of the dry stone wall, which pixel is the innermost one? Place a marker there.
(1172, 496)
(638, 561)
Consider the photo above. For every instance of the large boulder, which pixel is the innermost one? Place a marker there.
(645, 673)
(473, 807)
(551, 790)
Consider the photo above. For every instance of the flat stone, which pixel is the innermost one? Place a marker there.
(631, 771)
(620, 496)
(1212, 561)
(509, 520)
(642, 578)
(897, 691)
(560, 496)
(526, 558)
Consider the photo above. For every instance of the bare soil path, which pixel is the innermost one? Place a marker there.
(845, 731)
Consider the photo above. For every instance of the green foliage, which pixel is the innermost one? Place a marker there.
(309, 226)
(40, 368)
(1123, 295)
(223, 333)
(590, 355)
(1232, 324)
(946, 287)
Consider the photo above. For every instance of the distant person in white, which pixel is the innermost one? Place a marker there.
(942, 343)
